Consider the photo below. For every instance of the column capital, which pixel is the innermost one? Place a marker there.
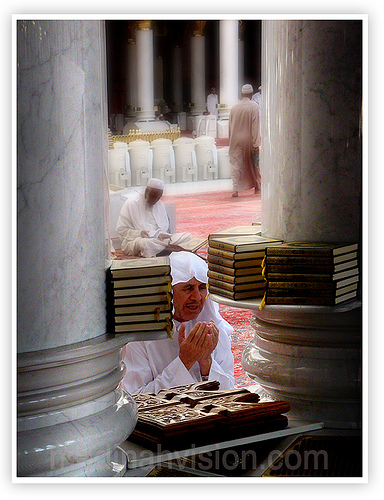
(198, 28)
(144, 25)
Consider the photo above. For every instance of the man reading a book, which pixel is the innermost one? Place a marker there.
(143, 224)
(201, 345)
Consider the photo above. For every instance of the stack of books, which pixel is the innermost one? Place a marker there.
(324, 274)
(234, 265)
(140, 295)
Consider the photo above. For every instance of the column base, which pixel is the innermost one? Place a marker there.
(72, 414)
(311, 359)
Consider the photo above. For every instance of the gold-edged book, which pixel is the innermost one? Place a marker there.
(142, 282)
(155, 266)
(349, 273)
(141, 318)
(313, 285)
(301, 269)
(303, 260)
(237, 231)
(248, 294)
(240, 244)
(326, 249)
(237, 287)
(156, 326)
(140, 308)
(241, 271)
(237, 258)
(134, 301)
(310, 292)
(143, 290)
(250, 278)
(314, 301)
(194, 244)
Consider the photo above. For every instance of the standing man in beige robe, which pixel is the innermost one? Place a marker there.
(244, 142)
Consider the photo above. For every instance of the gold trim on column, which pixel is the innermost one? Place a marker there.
(144, 25)
(198, 28)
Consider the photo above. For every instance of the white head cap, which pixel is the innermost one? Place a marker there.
(187, 265)
(247, 89)
(155, 183)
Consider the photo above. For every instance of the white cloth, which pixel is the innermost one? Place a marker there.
(212, 102)
(155, 365)
(257, 98)
(185, 266)
(136, 217)
(155, 183)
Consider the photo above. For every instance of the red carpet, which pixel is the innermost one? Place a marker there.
(208, 212)
(202, 214)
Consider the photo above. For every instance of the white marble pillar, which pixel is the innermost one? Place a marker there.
(145, 74)
(131, 76)
(311, 167)
(311, 128)
(198, 96)
(71, 414)
(229, 63)
(62, 158)
(177, 80)
(241, 67)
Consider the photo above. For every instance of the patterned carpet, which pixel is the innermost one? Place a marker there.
(208, 212)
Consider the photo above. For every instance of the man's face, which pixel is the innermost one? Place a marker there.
(188, 299)
(152, 195)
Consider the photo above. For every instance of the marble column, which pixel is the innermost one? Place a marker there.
(198, 96)
(311, 166)
(229, 61)
(145, 72)
(71, 412)
(241, 67)
(311, 153)
(131, 76)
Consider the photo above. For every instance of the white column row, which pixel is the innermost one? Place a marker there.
(140, 87)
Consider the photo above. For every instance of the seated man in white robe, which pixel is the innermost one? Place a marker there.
(143, 224)
(201, 345)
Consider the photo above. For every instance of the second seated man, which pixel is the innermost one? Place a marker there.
(143, 224)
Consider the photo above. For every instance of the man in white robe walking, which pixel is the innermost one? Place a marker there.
(201, 344)
(244, 142)
(143, 224)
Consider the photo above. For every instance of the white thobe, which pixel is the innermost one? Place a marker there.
(135, 217)
(244, 136)
(212, 101)
(155, 365)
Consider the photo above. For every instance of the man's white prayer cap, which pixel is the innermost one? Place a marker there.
(247, 89)
(187, 265)
(155, 183)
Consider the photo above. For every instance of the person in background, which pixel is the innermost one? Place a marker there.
(212, 102)
(257, 97)
(244, 142)
(201, 345)
(143, 224)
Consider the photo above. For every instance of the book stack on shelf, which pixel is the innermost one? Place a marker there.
(324, 274)
(234, 265)
(140, 295)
